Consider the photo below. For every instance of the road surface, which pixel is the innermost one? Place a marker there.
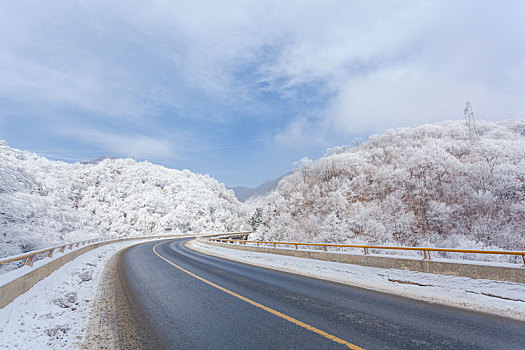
(188, 300)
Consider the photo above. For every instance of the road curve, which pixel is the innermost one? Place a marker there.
(188, 300)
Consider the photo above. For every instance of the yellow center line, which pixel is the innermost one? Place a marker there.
(265, 308)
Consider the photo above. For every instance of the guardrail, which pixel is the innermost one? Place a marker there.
(18, 284)
(30, 257)
(425, 250)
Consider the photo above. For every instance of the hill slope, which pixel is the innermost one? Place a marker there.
(43, 202)
(436, 185)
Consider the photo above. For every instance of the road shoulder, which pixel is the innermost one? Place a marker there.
(114, 322)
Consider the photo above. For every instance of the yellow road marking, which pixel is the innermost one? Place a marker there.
(266, 308)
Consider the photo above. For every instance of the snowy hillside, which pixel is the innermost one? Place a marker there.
(44, 202)
(431, 185)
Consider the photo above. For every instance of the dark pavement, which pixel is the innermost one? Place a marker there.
(182, 312)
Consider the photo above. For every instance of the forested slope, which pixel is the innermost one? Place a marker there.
(432, 185)
(44, 202)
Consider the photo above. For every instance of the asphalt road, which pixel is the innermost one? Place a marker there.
(187, 300)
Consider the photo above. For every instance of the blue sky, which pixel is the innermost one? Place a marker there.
(242, 89)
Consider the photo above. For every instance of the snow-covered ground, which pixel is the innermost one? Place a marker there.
(55, 312)
(496, 297)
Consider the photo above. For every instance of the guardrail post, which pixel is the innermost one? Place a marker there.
(523, 257)
(29, 261)
(50, 253)
(324, 248)
(296, 245)
(366, 251)
(61, 250)
(275, 245)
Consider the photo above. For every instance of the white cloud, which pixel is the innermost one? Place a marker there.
(142, 146)
(125, 58)
(420, 64)
(331, 42)
(302, 132)
(384, 64)
(409, 95)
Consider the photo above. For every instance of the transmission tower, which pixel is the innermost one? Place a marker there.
(470, 121)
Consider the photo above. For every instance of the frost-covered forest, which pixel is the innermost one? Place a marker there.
(446, 185)
(45, 202)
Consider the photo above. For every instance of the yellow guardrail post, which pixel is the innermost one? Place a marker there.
(29, 260)
(426, 254)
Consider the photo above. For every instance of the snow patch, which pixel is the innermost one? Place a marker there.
(55, 312)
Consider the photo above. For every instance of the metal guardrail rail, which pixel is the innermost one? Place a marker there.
(30, 257)
(426, 250)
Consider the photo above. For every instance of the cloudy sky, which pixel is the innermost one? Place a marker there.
(242, 89)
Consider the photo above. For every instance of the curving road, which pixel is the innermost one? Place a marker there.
(187, 300)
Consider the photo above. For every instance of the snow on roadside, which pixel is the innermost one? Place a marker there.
(55, 312)
(497, 297)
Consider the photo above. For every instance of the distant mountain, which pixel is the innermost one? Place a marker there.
(98, 160)
(244, 193)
